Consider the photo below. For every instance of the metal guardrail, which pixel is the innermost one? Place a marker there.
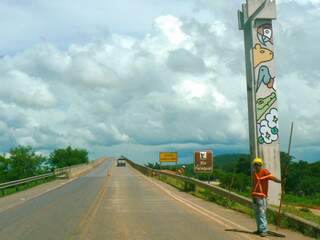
(25, 180)
(307, 227)
(56, 172)
(66, 170)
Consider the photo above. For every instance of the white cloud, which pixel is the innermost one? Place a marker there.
(191, 89)
(298, 103)
(170, 26)
(181, 85)
(25, 90)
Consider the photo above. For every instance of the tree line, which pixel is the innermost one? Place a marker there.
(22, 161)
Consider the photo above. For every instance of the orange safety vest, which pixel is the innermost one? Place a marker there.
(260, 188)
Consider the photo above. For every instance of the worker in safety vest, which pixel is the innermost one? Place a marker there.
(260, 178)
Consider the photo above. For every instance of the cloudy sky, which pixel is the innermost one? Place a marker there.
(139, 77)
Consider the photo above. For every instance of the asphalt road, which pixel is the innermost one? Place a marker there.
(55, 214)
(123, 205)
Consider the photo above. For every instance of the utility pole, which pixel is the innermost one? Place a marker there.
(255, 19)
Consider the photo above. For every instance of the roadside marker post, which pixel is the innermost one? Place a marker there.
(283, 185)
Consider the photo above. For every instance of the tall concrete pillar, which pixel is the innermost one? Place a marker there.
(255, 20)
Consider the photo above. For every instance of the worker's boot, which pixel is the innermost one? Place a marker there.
(256, 232)
(264, 234)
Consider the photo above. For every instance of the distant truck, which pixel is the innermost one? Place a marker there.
(121, 162)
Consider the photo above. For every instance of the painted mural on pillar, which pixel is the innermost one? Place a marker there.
(264, 104)
(266, 100)
(261, 55)
(264, 34)
(268, 128)
(264, 76)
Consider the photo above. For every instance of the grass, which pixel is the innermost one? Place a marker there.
(212, 197)
(205, 194)
(309, 202)
(23, 187)
(303, 213)
(290, 199)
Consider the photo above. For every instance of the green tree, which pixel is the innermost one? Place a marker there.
(67, 157)
(303, 178)
(243, 166)
(286, 160)
(23, 162)
(4, 168)
(153, 165)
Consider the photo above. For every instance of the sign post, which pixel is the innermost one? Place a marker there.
(255, 20)
(203, 161)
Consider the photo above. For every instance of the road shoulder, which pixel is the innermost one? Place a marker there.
(235, 220)
(18, 198)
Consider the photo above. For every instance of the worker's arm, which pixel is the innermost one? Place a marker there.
(269, 176)
(277, 180)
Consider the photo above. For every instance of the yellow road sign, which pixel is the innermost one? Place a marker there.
(168, 157)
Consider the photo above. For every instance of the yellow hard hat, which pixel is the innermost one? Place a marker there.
(257, 161)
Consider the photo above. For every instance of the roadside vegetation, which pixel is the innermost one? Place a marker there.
(60, 158)
(233, 172)
(23, 162)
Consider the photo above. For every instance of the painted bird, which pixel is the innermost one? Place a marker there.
(264, 76)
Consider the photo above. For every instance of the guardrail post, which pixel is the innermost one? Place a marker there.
(185, 187)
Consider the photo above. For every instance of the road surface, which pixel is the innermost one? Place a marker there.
(123, 205)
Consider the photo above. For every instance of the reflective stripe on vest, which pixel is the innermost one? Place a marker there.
(258, 187)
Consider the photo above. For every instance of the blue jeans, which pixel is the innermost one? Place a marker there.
(260, 208)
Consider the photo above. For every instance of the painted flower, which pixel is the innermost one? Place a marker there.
(267, 134)
(272, 118)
